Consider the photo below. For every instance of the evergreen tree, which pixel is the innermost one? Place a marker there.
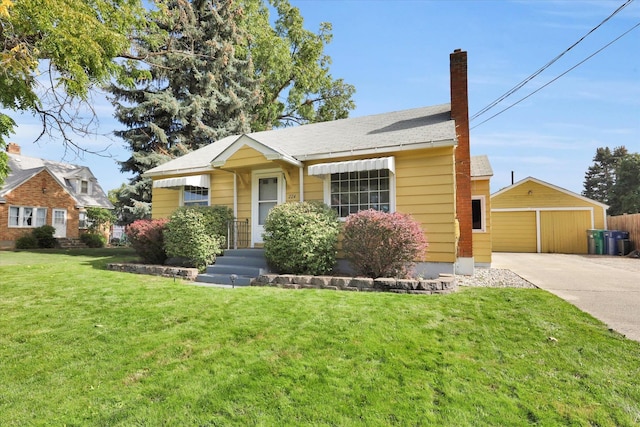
(626, 190)
(601, 176)
(200, 91)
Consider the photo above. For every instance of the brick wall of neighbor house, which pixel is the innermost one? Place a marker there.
(460, 113)
(30, 194)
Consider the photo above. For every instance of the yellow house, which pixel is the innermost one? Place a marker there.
(413, 161)
(481, 174)
(535, 216)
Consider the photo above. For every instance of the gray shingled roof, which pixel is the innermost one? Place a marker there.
(480, 166)
(22, 168)
(380, 133)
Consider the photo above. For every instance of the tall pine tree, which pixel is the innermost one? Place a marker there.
(626, 191)
(200, 91)
(601, 176)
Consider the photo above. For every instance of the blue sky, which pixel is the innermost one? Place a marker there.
(396, 54)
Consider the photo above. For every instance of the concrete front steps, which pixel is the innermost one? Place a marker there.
(245, 264)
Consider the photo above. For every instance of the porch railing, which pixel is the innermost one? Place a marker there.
(238, 234)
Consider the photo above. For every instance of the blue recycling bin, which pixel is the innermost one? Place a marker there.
(612, 237)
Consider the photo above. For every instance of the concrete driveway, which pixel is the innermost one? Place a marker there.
(606, 287)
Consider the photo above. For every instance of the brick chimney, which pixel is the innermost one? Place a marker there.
(13, 148)
(460, 113)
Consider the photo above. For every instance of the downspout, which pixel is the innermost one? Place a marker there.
(301, 174)
(235, 195)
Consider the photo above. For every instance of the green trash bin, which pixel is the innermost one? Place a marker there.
(601, 242)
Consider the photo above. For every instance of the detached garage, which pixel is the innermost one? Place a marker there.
(535, 216)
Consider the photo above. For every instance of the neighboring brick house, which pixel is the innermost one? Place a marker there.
(41, 192)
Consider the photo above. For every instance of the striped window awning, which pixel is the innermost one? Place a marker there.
(193, 181)
(353, 166)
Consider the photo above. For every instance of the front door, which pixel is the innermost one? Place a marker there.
(59, 221)
(267, 192)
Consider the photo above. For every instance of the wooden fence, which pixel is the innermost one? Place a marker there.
(630, 223)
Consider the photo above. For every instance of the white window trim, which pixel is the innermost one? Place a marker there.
(392, 192)
(182, 196)
(483, 212)
(21, 216)
(83, 224)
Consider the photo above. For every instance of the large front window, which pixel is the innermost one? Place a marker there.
(195, 196)
(356, 191)
(26, 216)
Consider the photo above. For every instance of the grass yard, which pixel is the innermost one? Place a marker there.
(82, 346)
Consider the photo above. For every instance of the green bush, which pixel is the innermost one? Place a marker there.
(301, 238)
(93, 240)
(186, 237)
(44, 236)
(28, 241)
(215, 220)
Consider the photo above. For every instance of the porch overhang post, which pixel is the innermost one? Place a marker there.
(301, 174)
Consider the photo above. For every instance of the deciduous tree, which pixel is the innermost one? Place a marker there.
(53, 51)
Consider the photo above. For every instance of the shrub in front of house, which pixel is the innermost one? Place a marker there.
(379, 244)
(27, 241)
(44, 236)
(93, 240)
(146, 238)
(186, 237)
(301, 238)
(215, 219)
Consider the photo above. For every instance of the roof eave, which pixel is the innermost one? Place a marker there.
(199, 169)
(378, 150)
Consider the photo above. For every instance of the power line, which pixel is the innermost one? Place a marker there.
(547, 65)
(553, 80)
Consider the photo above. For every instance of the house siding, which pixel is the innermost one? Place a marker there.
(425, 189)
(534, 217)
(30, 194)
(482, 247)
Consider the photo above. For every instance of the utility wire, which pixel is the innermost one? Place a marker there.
(547, 65)
(570, 69)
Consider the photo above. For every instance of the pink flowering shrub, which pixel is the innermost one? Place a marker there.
(146, 237)
(379, 244)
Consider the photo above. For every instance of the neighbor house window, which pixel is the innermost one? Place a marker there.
(195, 196)
(352, 192)
(82, 220)
(26, 216)
(477, 209)
(84, 187)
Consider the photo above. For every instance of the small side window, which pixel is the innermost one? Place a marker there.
(477, 208)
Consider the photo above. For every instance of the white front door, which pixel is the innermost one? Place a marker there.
(267, 192)
(59, 222)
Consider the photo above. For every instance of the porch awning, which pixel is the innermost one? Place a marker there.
(354, 166)
(193, 181)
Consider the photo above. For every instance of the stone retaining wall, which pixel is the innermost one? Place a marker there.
(446, 283)
(156, 270)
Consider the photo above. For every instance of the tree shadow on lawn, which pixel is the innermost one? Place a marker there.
(100, 257)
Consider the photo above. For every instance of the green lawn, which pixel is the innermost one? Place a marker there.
(82, 346)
